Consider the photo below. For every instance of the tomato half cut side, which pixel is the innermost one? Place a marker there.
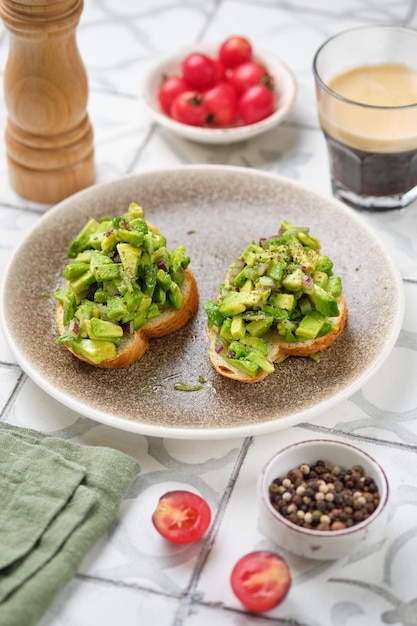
(181, 516)
(260, 580)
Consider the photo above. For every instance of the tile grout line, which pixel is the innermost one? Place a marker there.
(190, 596)
(11, 399)
(378, 442)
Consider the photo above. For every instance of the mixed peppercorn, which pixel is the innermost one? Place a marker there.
(325, 498)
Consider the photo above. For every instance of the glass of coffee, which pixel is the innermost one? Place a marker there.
(366, 87)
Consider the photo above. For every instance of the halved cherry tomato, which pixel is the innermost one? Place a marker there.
(190, 108)
(199, 70)
(235, 50)
(181, 516)
(260, 580)
(171, 87)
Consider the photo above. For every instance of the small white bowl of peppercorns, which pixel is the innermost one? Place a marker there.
(322, 499)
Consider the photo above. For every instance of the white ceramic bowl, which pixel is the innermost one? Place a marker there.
(285, 84)
(312, 543)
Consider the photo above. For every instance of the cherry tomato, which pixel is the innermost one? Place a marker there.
(181, 516)
(190, 108)
(260, 580)
(235, 50)
(221, 102)
(199, 70)
(255, 104)
(248, 74)
(220, 72)
(171, 87)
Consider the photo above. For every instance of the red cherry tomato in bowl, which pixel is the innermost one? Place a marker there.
(248, 74)
(199, 70)
(171, 87)
(190, 108)
(181, 516)
(235, 50)
(260, 580)
(255, 104)
(221, 102)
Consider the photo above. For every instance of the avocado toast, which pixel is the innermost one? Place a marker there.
(279, 298)
(122, 288)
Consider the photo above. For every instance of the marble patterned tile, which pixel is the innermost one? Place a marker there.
(85, 602)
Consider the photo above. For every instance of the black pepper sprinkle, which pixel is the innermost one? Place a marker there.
(324, 498)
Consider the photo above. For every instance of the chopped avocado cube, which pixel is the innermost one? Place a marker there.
(238, 348)
(94, 350)
(150, 272)
(134, 210)
(67, 298)
(262, 361)
(238, 327)
(256, 343)
(240, 279)
(324, 302)
(139, 224)
(96, 238)
(248, 285)
(213, 313)
(232, 304)
(225, 330)
(74, 270)
(159, 295)
(129, 256)
(304, 305)
(81, 240)
(294, 280)
(116, 308)
(163, 279)
(249, 255)
(133, 298)
(309, 327)
(284, 301)
(308, 240)
(259, 328)
(140, 318)
(243, 365)
(334, 286)
(175, 296)
(320, 278)
(103, 329)
(277, 271)
(109, 240)
(277, 314)
(266, 281)
(326, 328)
(128, 236)
(153, 311)
(324, 264)
(107, 271)
(81, 284)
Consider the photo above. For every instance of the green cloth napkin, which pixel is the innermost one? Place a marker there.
(56, 499)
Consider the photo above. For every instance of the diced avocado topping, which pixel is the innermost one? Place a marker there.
(121, 276)
(281, 286)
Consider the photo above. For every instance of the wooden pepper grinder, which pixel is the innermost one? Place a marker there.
(49, 138)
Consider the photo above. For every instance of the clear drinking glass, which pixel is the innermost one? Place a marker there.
(366, 87)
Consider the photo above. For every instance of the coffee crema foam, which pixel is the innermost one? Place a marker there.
(363, 124)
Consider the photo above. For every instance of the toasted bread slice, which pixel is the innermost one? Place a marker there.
(134, 346)
(278, 349)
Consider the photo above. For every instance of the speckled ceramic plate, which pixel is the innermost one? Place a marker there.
(214, 211)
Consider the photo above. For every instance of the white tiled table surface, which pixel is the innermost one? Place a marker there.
(131, 576)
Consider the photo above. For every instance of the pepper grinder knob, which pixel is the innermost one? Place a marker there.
(49, 137)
